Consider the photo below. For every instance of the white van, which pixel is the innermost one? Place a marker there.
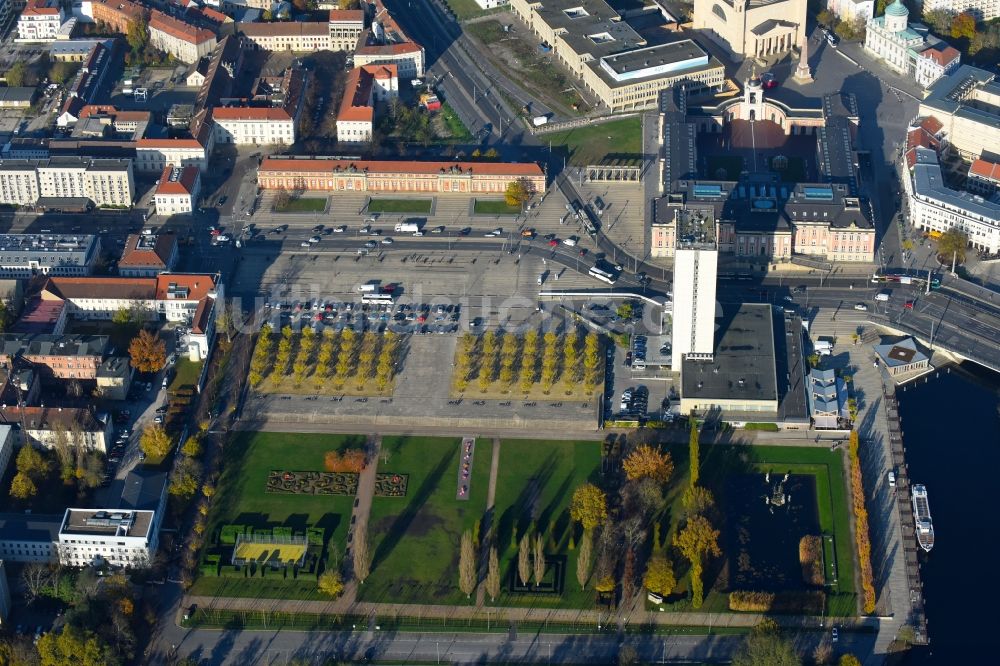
(892, 479)
(882, 296)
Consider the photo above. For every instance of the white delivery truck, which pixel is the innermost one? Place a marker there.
(367, 287)
(883, 295)
(407, 227)
(538, 121)
(823, 347)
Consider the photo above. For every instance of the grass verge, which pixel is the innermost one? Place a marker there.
(456, 128)
(616, 142)
(495, 207)
(303, 205)
(400, 206)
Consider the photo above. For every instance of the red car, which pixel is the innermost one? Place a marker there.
(768, 80)
(908, 305)
(553, 243)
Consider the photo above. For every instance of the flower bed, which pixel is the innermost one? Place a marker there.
(312, 483)
(391, 485)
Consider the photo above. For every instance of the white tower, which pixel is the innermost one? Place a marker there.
(896, 17)
(696, 261)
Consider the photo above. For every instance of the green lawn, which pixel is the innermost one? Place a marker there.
(242, 500)
(535, 483)
(615, 142)
(457, 129)
(186, 373)
(732, 165)
(415, 539)
(466, 9)
(399, 206)
(831, 495)
(495, 207)
(303, 205)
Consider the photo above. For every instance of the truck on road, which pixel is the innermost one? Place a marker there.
(538, 121)
(408, 227)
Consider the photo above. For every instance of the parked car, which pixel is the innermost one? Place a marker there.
(861, 307)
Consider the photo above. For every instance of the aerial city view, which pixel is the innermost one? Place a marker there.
(498, 331)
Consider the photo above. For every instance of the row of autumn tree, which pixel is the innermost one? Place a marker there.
(336, 356)
(502, 356)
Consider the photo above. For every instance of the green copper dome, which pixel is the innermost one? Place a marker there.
(897, 8)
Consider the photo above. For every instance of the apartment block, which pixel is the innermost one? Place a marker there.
(29, 255)
(57, 356)
(178, 190)
(117, 14)
(253, 126)
(366, 87)
(984, 10)
(47, 427)
(155, 155)
(340, 33)
(105, 182)
(148, 255)
(40, 21)
(116, 537)
(185, 41)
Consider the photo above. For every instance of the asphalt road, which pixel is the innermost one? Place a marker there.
(278, 647)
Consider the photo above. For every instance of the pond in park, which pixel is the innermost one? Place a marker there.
(766, 521)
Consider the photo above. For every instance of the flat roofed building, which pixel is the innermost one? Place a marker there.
(27, 537)
(28, 255)
(740, 377)
(827, 399)
(967, 104)
(334, 174)
(178, 190)
(936, 207)
(696, 259)
(105, 182)
(117, 537)
(148, 255)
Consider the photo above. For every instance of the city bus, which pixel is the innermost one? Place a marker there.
(379, 299)
(603, 275)
(907, 276)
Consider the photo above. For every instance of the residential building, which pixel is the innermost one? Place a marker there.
(28, 537)
(74, 50)
(20, 385)
(984, 10)
(28, 255)
(346, 26)
(967, 104)
(114, 378)
(41, 317)
(45, 427)
(56, 356)
(223, 69)
(115, 537)
(902, 357)
(827, 394)
(104, 182)
(148, 255)
(738, 381)
(185, 41)
(909, 49)
(385, 43)
(117, 14)
(366, 86)
(934, 206)
(610, 58)
(339, 33)
(155, 155)
(87, 84)
(178, 190)
(334, 174)
(752, 28)
(983, 178)
(40, 21)
(242, 125)
(696, 260)
(852, 10)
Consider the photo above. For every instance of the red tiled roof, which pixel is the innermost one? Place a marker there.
(282, 165)
(168, 143)
(922, 135)
(39, 8)
(179, 183)
(179, 29)
(355, 105)
(249, 113)
(199, 324)
(198, 285)
(986, 170)
(345, 15)
(109, 110)
(157, 257)
(389, 49)
(943, 56)
(99, 287)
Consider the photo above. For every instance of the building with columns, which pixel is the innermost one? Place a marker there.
(908, 48)
(753, 28)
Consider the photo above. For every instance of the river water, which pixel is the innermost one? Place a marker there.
(951, 430)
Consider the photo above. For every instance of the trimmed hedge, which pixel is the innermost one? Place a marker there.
(861, 534)
(765, 427)
(228, 534)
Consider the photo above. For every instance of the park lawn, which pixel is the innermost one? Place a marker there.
(242, 500)
(731, 164)
(303, 205)
(615, 142)
(186, 373)
(535, 483)
(399, 206)
(414, 540)
(465, 9)
(495, 207)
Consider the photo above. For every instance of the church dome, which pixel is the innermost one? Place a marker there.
(897, 8)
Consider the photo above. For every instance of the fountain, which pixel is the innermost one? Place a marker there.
(776, 496)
